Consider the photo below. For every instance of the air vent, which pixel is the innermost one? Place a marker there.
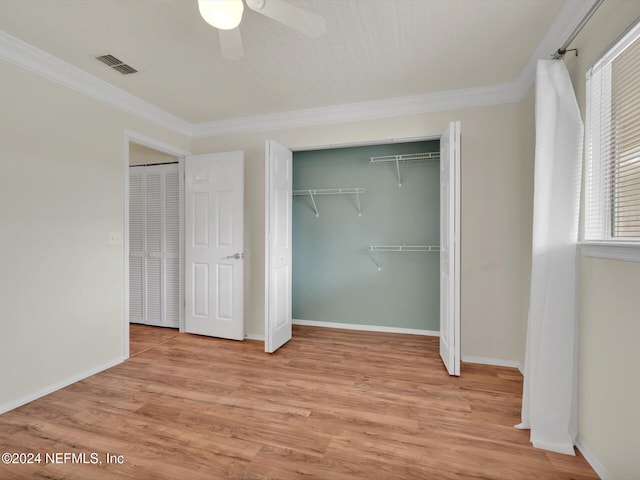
(124, 69)
(116, 64)
(110, 60)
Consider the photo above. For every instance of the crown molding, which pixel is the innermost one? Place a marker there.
(39, 62)
(154, 144)
(569, 17)
(352, 112)
(52, 68)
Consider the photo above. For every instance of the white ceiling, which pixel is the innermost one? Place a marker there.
(373, 50)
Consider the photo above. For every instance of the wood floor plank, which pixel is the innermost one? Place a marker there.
(329, 405)
(144, 337)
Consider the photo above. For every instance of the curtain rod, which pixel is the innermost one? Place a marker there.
(563, 49)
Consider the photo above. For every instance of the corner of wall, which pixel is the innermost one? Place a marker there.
(23, 400)
(591, 458)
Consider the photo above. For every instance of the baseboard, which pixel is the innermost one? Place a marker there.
(498, 362)
(254, 336)
(590, 457)
(366, 328)
(58, 385)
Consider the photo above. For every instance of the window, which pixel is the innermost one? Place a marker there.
(612, 209)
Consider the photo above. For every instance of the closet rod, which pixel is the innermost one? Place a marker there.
(404, 248)
(405, 157)
(329, 191)
(377, 249)
(332, 191)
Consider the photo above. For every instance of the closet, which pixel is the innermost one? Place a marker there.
(366, 236)
(154, 245)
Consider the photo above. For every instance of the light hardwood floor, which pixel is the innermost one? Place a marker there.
(143, 337)
(331, 404)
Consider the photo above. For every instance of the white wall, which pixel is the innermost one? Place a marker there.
(527, 130)
(61, 184)
(496, 217)
(609, 391)
(61, 193)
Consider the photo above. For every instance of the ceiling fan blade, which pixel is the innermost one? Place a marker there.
(231, 44)
(304, 21)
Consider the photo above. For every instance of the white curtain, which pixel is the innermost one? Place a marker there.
(549, 405)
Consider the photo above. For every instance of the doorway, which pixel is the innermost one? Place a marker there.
(154, 240)
(140, 150)
(449, 232)
(366, 228)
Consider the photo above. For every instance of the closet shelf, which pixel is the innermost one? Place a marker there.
(404, 248)
(407, 157)
(398, 248)
(312, 193)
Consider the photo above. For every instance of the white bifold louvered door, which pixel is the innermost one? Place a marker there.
(154, 245)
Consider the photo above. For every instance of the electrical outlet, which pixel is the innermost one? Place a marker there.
(115, 238)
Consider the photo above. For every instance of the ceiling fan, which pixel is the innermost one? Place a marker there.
(226, 15)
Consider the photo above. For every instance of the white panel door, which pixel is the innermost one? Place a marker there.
(214, 244)
(154, 245)
(278, 319)
(450, 248)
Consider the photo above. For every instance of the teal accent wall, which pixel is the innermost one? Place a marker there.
(334, 277)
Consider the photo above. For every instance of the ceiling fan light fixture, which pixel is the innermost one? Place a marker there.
(255, 4)
(222, 14)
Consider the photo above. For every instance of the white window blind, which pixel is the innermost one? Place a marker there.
(612, 208)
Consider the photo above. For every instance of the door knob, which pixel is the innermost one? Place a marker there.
(237, 256)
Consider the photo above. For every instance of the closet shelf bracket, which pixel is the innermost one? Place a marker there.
(331, 191)
(374, 251)
(407, 157)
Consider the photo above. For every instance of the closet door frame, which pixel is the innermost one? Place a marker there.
(304, 148)
(130, 137)
(165, 229)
